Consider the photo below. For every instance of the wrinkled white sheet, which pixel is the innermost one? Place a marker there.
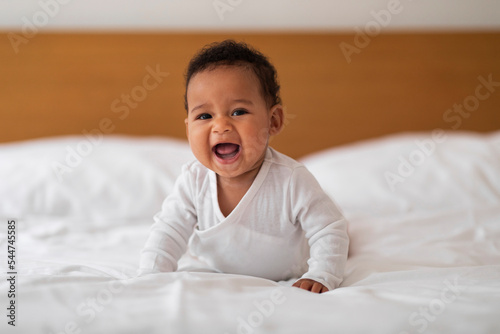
(416, 265)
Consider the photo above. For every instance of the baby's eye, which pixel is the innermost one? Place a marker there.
(239, 112)
(203, 116)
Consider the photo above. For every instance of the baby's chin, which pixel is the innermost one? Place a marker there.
(242, 174)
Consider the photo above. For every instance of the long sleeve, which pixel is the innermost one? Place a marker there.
(171, 230)
(324, 226)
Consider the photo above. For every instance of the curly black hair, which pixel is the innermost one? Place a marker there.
(232, 53)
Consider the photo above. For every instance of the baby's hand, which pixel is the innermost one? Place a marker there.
(310, 285)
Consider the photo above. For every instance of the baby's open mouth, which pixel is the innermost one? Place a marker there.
(226, 150)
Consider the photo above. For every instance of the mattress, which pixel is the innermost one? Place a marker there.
(424, 257)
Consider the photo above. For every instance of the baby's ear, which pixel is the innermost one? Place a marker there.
(277, 119)
(187, 127)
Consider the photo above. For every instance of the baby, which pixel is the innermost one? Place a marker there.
(242, 207)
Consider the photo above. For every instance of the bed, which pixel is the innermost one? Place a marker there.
(79, 187)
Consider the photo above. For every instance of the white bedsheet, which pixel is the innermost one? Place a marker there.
(424, 254)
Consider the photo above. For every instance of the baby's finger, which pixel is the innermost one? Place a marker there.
(304, 284)
(317, 287)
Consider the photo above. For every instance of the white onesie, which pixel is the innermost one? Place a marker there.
(285, 226)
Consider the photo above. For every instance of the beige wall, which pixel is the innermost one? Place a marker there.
(248, 14)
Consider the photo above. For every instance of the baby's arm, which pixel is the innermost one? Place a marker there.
(171, 230)
(326, 231)
(328, 253)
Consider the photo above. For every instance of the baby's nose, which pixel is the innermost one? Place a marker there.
(222, 125)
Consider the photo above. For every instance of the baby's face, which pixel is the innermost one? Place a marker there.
(228, 123)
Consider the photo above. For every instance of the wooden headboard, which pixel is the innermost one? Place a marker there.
(336, 88)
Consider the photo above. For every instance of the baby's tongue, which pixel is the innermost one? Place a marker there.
(226, 150)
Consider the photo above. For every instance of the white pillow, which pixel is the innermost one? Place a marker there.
(115, 178)
(411, 172)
